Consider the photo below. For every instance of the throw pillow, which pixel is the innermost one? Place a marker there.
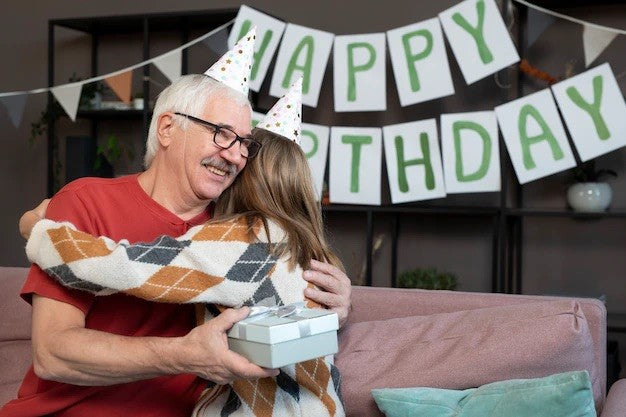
(562, 395)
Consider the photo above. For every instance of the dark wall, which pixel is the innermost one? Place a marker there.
(563, 255)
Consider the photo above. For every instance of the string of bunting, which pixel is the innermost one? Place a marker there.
(68, 94)
(591, 103)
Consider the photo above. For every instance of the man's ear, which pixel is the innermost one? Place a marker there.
(165, 128)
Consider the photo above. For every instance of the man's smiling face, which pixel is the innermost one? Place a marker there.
(210, 169)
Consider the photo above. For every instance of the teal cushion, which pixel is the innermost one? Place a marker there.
(561, 395)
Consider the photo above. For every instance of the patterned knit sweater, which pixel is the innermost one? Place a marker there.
(229, 264)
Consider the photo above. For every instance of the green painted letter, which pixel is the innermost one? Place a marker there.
(476, 32)
(352, 69)
(313, 137)
(410, 59)
(357, 142)
(429, 179)
(592, 108)
(307, 42)
(526, 141)
(484, 135)
(267, 36)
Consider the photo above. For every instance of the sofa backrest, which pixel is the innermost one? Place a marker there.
(371, 303)
(15, 325)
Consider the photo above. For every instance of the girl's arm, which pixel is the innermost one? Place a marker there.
(28, 219)
(219, 262)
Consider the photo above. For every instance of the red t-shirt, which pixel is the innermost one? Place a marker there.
(118, 208)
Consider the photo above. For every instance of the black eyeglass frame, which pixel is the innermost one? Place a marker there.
(252, 151)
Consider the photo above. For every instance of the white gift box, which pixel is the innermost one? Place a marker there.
(279, 336)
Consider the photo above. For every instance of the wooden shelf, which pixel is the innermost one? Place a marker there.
(426, 210)
(532, 212)
(111, 114)
(200, 19)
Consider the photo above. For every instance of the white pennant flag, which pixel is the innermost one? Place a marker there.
(595, 41)
(68, 96)
(170, 64)
(15, 107)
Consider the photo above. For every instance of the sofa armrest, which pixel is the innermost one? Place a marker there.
(615, 405)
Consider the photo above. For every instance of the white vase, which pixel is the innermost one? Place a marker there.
(589, 196)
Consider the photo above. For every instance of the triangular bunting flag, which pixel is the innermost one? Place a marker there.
(595, 41)
(538, 22)
(68, 96)
(218, 42)
(15, 107)
(170, 64)
(121, 84)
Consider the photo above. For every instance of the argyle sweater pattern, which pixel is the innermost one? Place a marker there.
(221, 264)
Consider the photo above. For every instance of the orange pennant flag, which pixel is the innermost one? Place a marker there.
(121, 84)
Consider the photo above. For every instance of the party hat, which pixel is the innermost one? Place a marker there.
(284, 117)
(233, 68)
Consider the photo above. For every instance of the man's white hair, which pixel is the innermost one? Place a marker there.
(189, 94)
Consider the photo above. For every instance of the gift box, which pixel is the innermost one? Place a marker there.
(272, 337)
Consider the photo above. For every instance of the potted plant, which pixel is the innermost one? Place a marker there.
(108, 154)
(588, 193)
(428, 279)
(90, 99)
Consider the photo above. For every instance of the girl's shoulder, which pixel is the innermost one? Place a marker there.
(276, 232)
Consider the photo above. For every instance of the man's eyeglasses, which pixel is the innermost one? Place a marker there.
(225, 137)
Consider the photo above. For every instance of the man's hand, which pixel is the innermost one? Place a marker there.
(335, 288)
(28, 219)
(205, 352)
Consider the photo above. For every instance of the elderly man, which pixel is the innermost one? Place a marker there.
(119, 355)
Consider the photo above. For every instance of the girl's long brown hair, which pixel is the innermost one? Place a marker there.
(276, 184)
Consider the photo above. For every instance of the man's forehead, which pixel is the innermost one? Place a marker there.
(229, 113)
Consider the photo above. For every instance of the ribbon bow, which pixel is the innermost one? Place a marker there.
(278, 311)
(261, 312)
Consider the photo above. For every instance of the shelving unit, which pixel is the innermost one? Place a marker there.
(506, 216)
(142, 24)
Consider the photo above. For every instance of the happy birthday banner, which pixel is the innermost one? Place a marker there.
(469, 161)
(590, 103)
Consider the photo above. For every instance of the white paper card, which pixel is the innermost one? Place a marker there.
(419, 61)
(534, 136)
(303, 52)
(469, 145)
(314, 143)
(413, 161)
(479, 38)
(359, 73)
(256, 118)
(355, 165)
(594, 111)
(268, 33)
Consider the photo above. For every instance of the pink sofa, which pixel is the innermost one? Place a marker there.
(401, 337)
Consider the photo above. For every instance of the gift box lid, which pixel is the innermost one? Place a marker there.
(275, 326)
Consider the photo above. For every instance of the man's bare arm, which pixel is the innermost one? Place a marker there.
(65, 351)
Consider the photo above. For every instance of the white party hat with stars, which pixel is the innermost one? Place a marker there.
(234, 67)
(284, 117)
